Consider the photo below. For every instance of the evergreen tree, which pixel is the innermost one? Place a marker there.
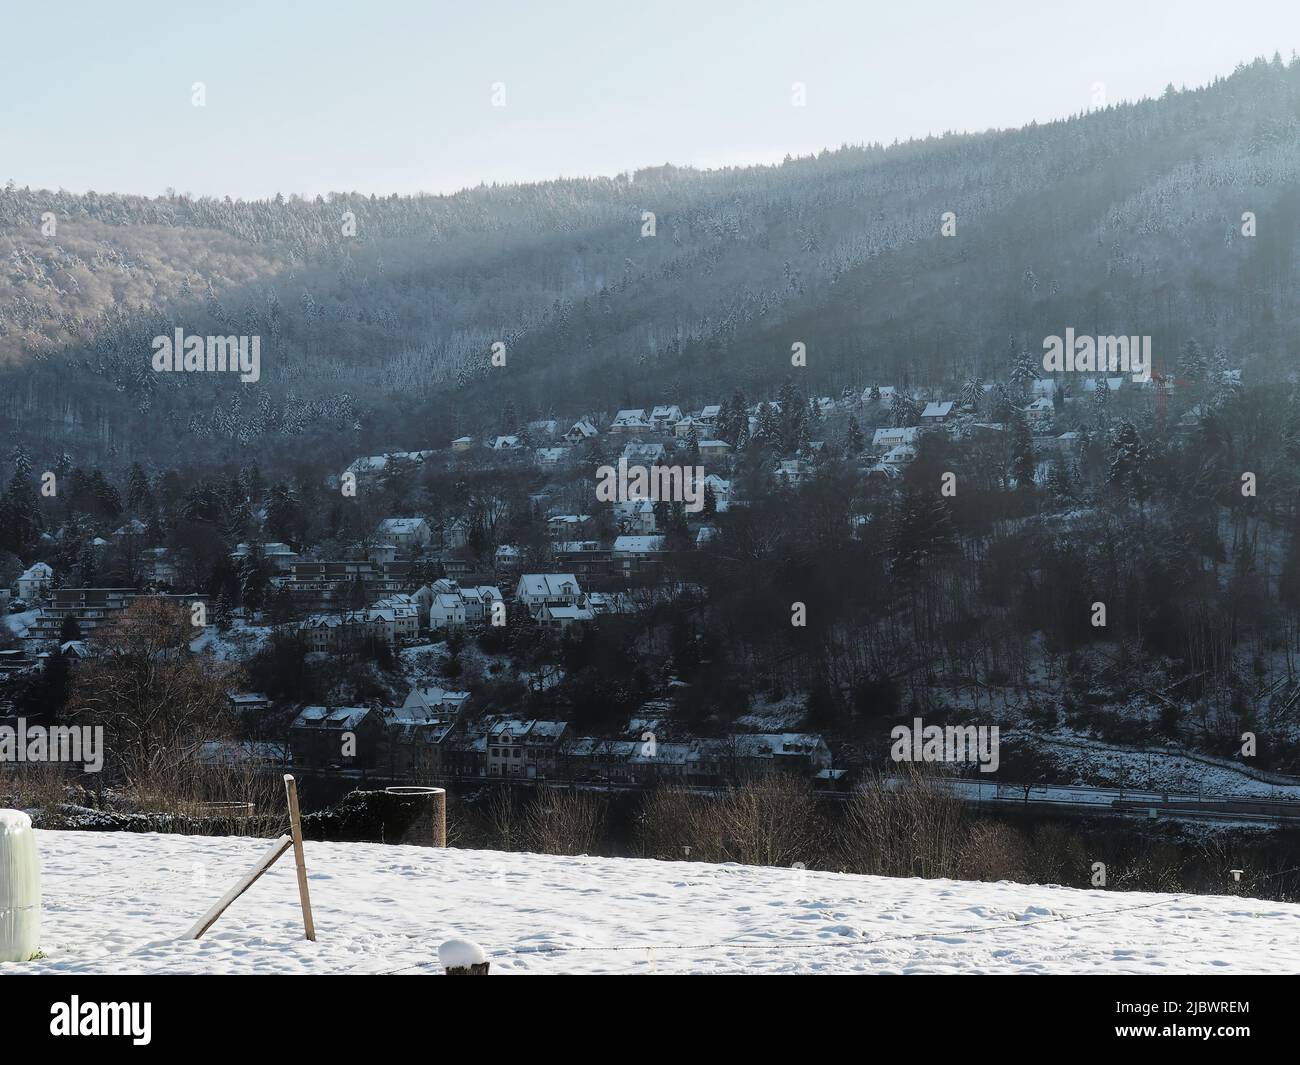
(1022, 452)
(1128, 461)
(138, 495)
(904, 411)
(692, 446)
(856, 443)
(1101, 401)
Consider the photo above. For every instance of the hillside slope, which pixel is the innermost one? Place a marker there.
(1126, 220)
(117, 902)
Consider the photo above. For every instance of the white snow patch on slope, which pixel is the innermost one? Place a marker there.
(117, 903)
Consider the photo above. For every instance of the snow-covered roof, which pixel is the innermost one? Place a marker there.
(326, 717)
(546, 584)
(638, 544)
(893, 435)
(400, 526)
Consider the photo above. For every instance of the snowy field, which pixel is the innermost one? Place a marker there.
(118, 903)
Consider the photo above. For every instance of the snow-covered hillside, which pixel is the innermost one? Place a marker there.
(117, 903)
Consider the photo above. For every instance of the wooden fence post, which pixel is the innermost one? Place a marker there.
(295, 829)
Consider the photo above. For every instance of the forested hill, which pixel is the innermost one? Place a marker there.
(1126, 220)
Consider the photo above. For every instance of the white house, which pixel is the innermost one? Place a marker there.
(36, 582)
(446, 611)
(405, 532)
(434, 704)
(893, 437)
(454, 605)
(536, 590)
(506, 443)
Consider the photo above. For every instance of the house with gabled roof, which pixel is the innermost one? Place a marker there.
(344, 737)
(525, 749)
(632, 420)
(665, 415)
(580, 431)
(647, 454)
(892, 436)
(405, 533)
(35, 582)
(536, 590)
(936, 412)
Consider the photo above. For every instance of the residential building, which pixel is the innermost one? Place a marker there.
(633, 420)
(343, 737)
(36, 582)
(536, 590)
(580, 431)
(527, 749)
(406, 533)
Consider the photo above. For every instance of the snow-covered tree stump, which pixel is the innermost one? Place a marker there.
(20, 888)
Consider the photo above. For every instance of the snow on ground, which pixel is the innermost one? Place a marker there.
(237, 644)
(1095, 762)
(117, 903)
(780, 715)
(21, 623)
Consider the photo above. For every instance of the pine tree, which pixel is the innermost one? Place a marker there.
(856, 443)
(138, 494)
(1024, 370)
(1128, 461)
(1101, 401)
(1022, 452)
(904, 411)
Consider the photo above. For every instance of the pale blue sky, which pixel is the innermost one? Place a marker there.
(395, 95)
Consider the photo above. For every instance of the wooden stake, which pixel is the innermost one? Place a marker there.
(263, 864)
(295, 827)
